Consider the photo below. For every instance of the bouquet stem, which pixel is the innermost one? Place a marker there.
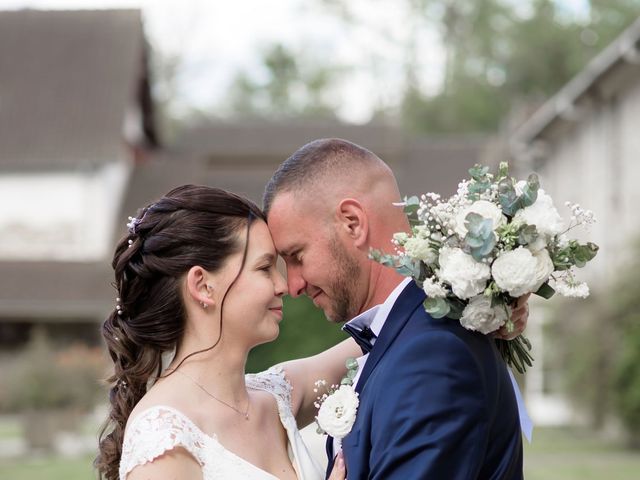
(516, 352)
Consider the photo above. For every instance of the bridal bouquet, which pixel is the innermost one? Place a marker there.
(493, 241)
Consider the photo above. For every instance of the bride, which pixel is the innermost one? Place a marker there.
(198, 288)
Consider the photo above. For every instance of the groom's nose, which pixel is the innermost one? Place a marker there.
(295, 281)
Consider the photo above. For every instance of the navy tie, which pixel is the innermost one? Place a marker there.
(362, 337)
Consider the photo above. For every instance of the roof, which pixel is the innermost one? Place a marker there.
(269, 140)
(66, 291)
(622, 53)
(66, 81)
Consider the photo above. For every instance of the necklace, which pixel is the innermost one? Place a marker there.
(245, 414)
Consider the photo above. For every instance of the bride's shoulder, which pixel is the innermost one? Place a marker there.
(155, 430)
(274, 381)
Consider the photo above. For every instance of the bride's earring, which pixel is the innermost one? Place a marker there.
(204, 305)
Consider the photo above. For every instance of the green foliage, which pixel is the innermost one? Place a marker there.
(304, 331)
(436, 307)
(480, 239)
(497, 56)
(293, 87)
(41, 378)
(597, 345)
(510, 201)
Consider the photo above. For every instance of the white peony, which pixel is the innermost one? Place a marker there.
(544, 268)
(481, 317)
(515, 271)
(338, 412)
(484, 208)
(433, 288)
(466, 276)
(542, 214)
(419, 248)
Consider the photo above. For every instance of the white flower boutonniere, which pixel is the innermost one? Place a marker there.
(337, 408)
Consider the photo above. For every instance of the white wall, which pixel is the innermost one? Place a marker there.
(60, 216)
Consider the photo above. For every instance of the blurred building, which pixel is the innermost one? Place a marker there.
(75, 118)
(584, 144)
(79, 153)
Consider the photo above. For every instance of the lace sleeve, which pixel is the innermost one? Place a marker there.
(275, 382)
(156, 431)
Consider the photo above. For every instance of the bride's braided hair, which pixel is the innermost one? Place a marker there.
(189, 226)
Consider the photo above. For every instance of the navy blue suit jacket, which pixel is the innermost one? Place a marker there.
(436, 403)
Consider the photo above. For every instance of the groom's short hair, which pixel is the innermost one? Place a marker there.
(312, 163)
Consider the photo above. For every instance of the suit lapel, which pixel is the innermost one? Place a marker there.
(402, 309)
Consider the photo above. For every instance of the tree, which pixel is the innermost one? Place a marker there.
(291, 88)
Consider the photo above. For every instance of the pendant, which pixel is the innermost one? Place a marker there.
(246, 416)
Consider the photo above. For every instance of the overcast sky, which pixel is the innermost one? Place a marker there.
(216, 38)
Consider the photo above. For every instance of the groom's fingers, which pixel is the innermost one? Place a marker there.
(339, 471)
(519, 318)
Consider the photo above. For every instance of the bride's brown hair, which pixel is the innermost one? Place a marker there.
(191, 225)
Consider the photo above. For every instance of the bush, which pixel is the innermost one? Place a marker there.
(596, 343)
(304, 331)
(43, 378)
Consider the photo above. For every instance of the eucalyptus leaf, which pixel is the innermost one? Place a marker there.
(546, 291)
(477, 172)
(507, 196)
(503, 170)
(456, 307)
(472, 241)
(530, 191)
(436, 307)
(527, 234)
(351, 363)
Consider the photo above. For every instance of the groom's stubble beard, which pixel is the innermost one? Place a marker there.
(343, 285)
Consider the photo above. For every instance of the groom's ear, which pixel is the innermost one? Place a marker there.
(353, 221)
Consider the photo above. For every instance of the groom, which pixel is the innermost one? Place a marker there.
(436, 401)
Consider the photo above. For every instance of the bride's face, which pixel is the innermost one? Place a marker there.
(252, 309)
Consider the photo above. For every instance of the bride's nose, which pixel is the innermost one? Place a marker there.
(280, 285)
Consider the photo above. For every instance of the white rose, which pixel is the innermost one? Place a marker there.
(515, 271)
(484, 208)
(419, 248)
(433, 288)
(542, 214)
(338, 412)
(479, 316)
(544, 268)
(466, 276)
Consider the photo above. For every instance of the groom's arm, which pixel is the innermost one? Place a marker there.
(431, 414)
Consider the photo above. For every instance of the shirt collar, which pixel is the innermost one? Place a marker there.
(375, 317)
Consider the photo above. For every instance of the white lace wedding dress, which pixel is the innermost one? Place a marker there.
(161, 428)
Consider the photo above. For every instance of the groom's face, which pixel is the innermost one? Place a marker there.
(318, 265)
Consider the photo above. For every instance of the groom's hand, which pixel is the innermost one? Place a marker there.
(339, 471)
(519, 318)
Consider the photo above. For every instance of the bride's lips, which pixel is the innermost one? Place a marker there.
(277, 311)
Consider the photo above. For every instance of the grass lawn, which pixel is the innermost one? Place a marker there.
(49, 468)
(556, 454)
(577, 454)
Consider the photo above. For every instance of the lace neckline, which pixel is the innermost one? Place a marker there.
(213, 437)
